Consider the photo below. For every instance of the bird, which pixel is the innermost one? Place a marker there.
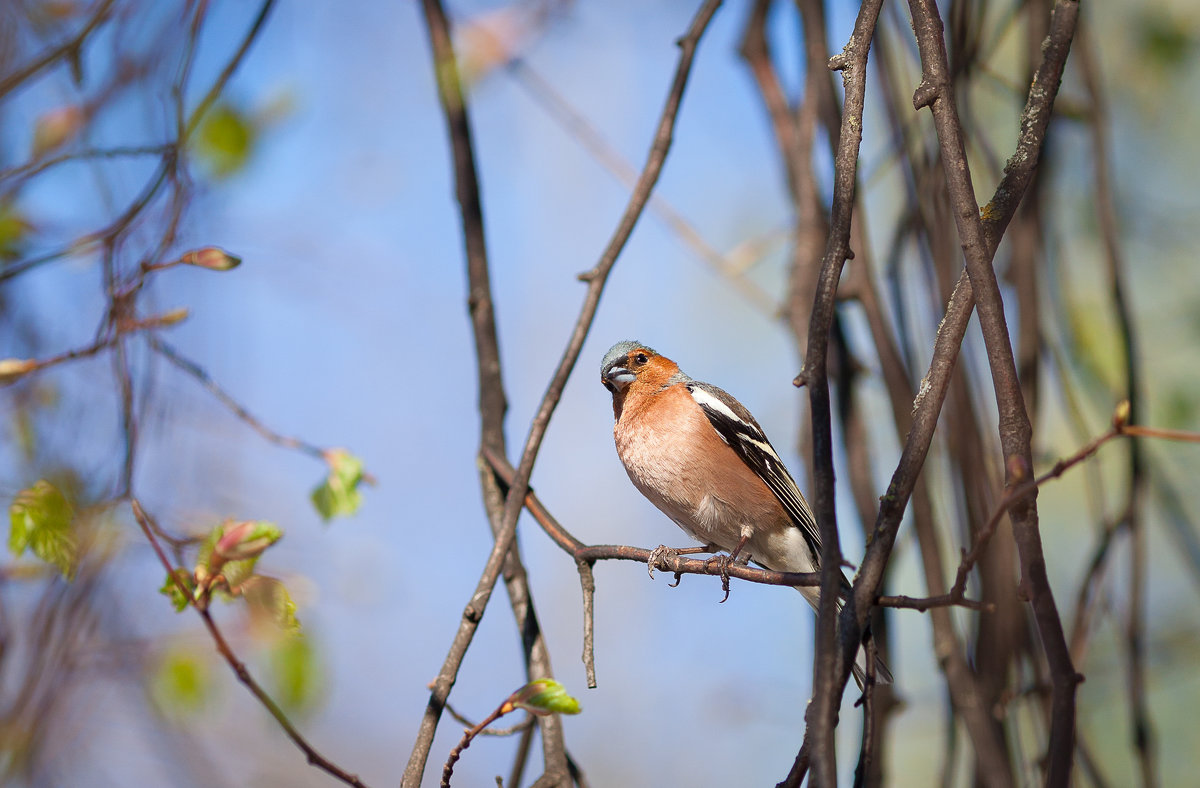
(700, 457)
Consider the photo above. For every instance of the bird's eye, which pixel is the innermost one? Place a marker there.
(640, 358)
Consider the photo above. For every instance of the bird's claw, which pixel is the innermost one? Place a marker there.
(719, 564)
(658, 558)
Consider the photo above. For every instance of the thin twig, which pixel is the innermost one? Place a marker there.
(36, 167)
(829, 660)
(799, 766)
(596, 279)
(585, 133)
(587, 582)
(239, 668)
(868, 748)
(231, 67)
(493, 401)
(921, 604)
(69, 48)
(523, 725)
(167, 351)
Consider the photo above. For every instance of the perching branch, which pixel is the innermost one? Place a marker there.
(596, 279)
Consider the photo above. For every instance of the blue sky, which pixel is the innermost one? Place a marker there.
(347, 325)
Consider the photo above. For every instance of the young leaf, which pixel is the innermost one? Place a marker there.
(15, 230)
(269, 599)
(181, 684)
(40, 520)
(232, 549)
(544, 696)
(338, 495)
(247, 539)
(296, 673)
(171, 589)
(226, 139)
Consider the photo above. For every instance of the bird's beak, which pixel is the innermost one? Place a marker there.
(618, 377)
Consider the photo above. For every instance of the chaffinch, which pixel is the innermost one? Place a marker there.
(698, 455)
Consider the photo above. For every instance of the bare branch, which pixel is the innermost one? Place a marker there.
(493, 402)
(936, 92)
(67, 49)
(596, 279)
(829, 659)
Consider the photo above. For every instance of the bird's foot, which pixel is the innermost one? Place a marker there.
(658, 558)
(719, 564)
(661, 554)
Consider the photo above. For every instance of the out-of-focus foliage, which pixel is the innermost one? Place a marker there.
(297, 676)
(268, 600)
(225, 567)
(226, 139)
(180, 597)
(1166, 40)
(181, 683)
(41, 520)
(14, 230)
(339, 495)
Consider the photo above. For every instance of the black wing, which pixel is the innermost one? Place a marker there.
(741, 432)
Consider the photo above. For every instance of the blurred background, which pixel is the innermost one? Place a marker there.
(322, 162)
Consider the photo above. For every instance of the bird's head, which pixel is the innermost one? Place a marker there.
(629, 364)
(622, 363)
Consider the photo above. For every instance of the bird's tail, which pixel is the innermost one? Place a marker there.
(859, 668)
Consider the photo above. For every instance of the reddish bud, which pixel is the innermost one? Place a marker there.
(213, 258)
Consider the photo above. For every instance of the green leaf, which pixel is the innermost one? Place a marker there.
(14, 231)
(338, 495)
(544, 696)
(171, 589)
(239, 541)
(269, 599)
(1166, 41)
(181, 684)
(40, 519)
(1095, 344)
(1178, 408)
(225, 139)
(296, 673)
(233, 548)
